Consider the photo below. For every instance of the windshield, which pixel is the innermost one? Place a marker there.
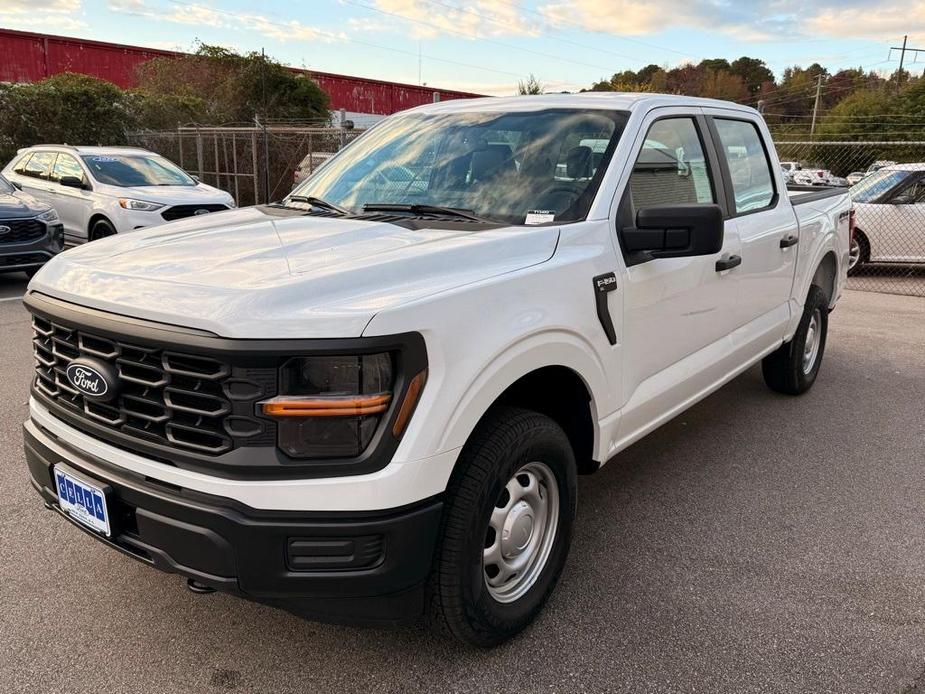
(516, 168)
(871, 187)
(136, 170)
(5, 187)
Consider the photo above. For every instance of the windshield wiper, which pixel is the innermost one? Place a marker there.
(320, 202)
(415, 208)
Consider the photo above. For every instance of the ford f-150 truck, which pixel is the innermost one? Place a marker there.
(370, 401)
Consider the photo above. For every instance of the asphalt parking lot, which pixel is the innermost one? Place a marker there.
(758, 543)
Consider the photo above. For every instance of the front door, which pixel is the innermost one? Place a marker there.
(677, 311)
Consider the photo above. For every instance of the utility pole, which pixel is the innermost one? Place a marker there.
(902, 57)
(812, 128)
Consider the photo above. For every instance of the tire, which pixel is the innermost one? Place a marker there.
(793, 368)
(101, 229)
(509, 448)
(859, 254)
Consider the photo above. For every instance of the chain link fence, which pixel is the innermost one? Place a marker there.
(257, 165)
(888, 190)
(254, 164)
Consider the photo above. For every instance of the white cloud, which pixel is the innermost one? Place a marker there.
(204, 16)
(482, 18)
(886, 22)
(42, 15)
(13, 7)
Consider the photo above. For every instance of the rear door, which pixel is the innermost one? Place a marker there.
(677, 311)
(34, 176)
(903, 226)
(767, 226)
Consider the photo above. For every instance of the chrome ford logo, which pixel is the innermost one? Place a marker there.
(4, 230)
(199, 212)
(88, 380)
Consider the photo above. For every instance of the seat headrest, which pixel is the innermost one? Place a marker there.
(489, 162)
(578, 162)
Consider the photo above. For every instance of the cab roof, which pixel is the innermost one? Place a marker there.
(610, 101)
(904, 167)
(124, 151)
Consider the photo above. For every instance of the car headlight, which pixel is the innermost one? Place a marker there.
(139, 205)
(332, 406)
(49, 216)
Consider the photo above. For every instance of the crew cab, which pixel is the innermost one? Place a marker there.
(372, 402)
(101, 191)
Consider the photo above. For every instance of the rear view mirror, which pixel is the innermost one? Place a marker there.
(674, 231)
(72, 182)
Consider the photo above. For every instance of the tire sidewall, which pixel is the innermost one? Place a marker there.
(815, 300)
(102, 228)
(482, 609)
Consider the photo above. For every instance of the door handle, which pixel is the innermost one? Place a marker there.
(729, 262)
(789, 240)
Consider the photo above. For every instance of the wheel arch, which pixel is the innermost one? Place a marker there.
(98, 217)
(825, 275)
(564, 380)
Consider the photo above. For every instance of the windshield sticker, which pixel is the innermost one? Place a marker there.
(105, 160)
(539, 216)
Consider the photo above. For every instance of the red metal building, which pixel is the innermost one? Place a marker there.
(28, 57)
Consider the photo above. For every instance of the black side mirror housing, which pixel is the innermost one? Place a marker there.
(674, 231)
(72, 182)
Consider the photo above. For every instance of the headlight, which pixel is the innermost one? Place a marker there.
(331, 406)
(139, 205)
(50, 216)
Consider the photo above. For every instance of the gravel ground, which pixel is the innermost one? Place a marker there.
(757, 543)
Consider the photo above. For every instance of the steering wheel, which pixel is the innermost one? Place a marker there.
(555, 190)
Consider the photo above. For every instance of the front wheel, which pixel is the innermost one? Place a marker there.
(101, 229)
(506, 528)
(793, 367)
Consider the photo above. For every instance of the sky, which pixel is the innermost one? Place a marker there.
(488, 46)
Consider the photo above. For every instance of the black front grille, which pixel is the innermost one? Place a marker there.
(21, 230)
(181, 211)
(190, 402)
(23, 259)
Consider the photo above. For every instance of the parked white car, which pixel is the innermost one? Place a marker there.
(374, 398)
(890, 216)
(100, 191)
(855, 177)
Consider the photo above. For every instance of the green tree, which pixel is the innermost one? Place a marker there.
(753, 72)
(67, 108)
(234, 87)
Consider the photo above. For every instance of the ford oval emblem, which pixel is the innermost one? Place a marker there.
(4, 230)
(88, 379)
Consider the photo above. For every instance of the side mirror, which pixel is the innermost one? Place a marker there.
(902, 200)
(72, 182)
(675, 231)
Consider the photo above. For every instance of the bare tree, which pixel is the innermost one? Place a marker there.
(531, 86)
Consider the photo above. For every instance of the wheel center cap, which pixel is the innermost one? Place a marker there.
(518, 529)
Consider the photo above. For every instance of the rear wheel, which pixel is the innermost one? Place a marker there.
(101, 229)
(793, 368)
(506, 528)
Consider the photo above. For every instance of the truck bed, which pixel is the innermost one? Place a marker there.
(800, 195)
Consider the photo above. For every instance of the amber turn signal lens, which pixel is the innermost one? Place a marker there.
(352, 406)
(408, 404)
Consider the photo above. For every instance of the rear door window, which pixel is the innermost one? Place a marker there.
(749, 166)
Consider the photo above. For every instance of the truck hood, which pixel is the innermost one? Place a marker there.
(250, 273)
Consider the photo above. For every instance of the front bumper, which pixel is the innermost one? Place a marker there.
(33, 254)
(350, 567)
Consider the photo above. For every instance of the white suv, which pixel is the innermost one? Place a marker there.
(99, 191)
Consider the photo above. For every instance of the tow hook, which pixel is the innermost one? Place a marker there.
(198, 588)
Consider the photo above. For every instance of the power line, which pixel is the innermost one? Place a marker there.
(469, 36)
(338, 37)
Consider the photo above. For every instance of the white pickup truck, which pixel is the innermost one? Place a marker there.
(370, 401)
